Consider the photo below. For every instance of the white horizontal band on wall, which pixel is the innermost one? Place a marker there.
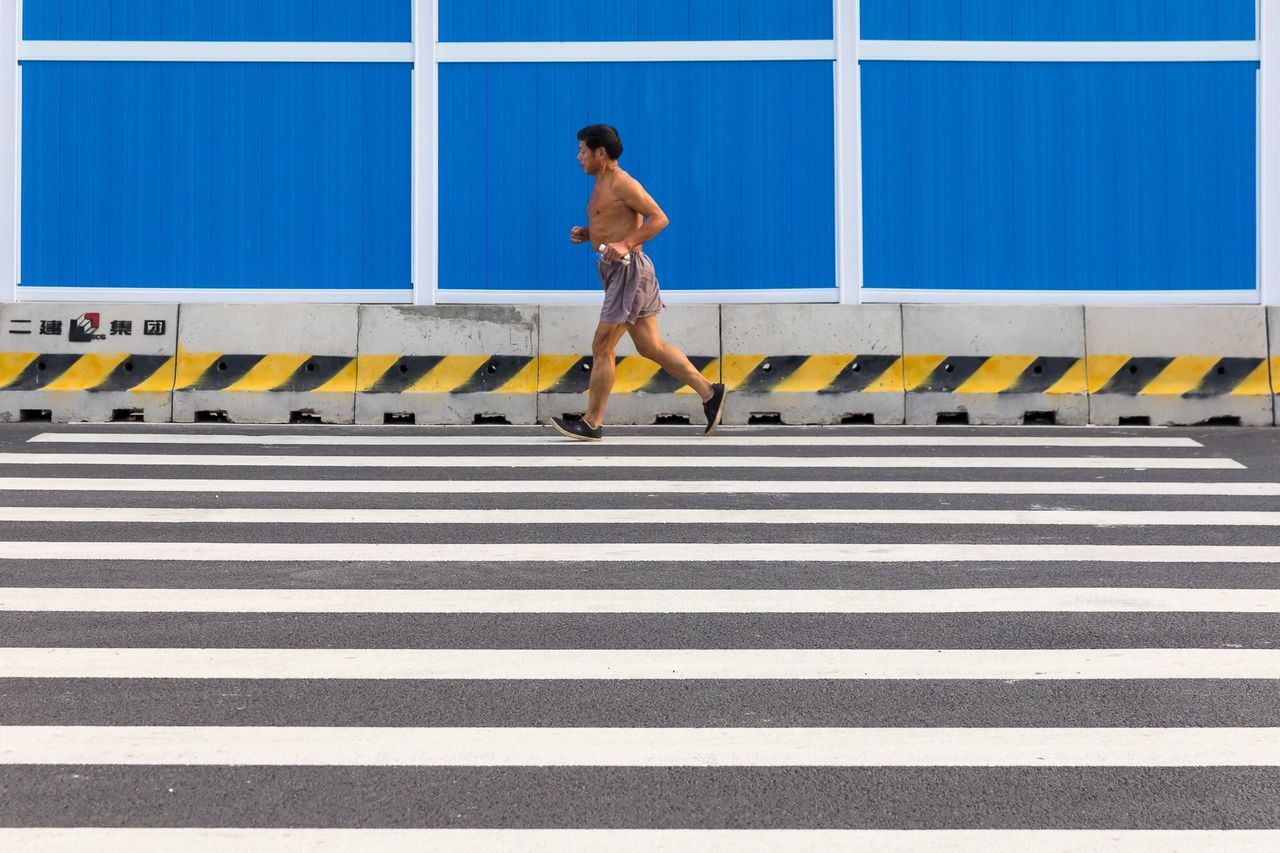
(1059, 297)
(1060, 51)
(671, 297)
(212, 294)
(636, 51)
(214, 51)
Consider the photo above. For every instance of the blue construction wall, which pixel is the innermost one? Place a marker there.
(216, 175)
(218, 20)
(1089, 177)
(978, 176)
(634, 20)
(185, 175)
(739, 155)
(1059, 20)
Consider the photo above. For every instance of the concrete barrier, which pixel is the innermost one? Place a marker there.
(1273, 332)
(266, 363)
(986, 364)
(449, 364)
(643, 393)
(812, 364)
(70, 362)
(1178, 365)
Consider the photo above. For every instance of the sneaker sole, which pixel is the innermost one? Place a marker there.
(711, 427)
(574, 436)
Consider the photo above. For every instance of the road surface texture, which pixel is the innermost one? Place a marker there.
(224, 637)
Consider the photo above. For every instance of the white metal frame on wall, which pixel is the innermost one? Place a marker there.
(846, 49)
(1266, 48)
(13, 48)
(658, 51)
(1269, 152)
(10, 152)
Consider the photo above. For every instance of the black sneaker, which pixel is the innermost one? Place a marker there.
(714, 407)
(578, 430)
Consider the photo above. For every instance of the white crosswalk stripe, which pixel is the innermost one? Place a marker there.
(632, 552)
(640, 487)
(221, 636)
(649, 664)
(646, 747)
(640, 840)
(449, 517)
(203, 460)
(990, 600)
(722, 439)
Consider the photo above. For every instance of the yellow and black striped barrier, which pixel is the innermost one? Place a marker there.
(1191, 376)
(92, 372)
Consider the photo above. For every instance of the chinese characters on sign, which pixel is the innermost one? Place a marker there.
(85, 328)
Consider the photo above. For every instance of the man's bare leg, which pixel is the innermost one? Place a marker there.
(644, 334)
(603, 351)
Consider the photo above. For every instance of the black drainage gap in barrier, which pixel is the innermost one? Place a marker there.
(671, 420)
(1039, 418)
(858, 420)
(212, 417)
(1221, 421)
(127, 416)
(952, 419)
(765, 419)
(491, 420)
(399, 418)
(35, 415)
(1135, 420)
(305, 416)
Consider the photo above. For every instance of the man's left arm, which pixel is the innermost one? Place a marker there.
(634, 196)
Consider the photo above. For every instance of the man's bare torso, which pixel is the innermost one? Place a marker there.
(609, 218)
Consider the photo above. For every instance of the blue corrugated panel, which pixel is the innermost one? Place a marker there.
(218, 20)
(1072, 176)
(1059, 20)
(216, 175)
(738, 154)
(634, 20)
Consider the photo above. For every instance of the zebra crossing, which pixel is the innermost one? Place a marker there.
(219, 638)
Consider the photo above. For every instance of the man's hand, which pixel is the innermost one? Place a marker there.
(578, 234)
(615, 251)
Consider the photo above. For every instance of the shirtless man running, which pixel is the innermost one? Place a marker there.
(621, 218)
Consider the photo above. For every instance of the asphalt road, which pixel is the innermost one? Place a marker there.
(1208, 666)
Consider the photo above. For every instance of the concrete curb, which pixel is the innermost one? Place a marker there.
(789, 364)
(268, 364)
(68, 362)
(1178, 365)
(459, 364)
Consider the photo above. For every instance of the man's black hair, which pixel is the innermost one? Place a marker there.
(602, 136)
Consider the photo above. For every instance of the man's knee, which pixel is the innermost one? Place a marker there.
(649, 348)
(603, 345)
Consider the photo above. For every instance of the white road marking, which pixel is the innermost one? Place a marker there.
(165, 840)
(1026, 600)
(352, 746)
(627, 664)
(296, 440)
(758, 517)
(586, 487)
(628, 552)
(100, 460)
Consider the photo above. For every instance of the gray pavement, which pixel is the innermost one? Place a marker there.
(983, 793)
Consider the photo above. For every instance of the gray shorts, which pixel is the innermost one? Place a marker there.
(630, 290)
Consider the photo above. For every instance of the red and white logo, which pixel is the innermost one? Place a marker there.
(85, 327)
